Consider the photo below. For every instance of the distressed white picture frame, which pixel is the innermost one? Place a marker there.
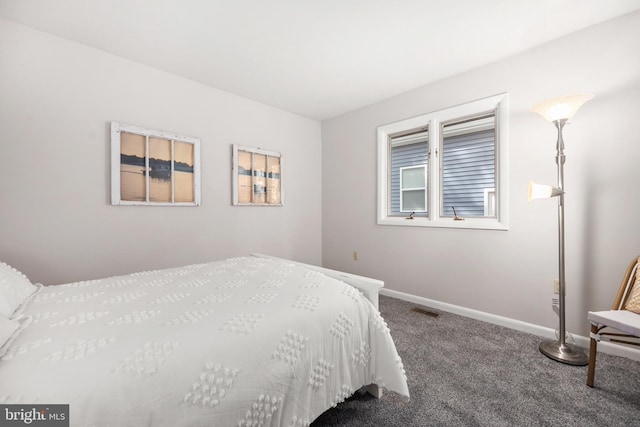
(153, 168)
(257, 177)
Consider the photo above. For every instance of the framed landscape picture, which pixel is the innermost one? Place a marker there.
(257, 177)
(150, 167)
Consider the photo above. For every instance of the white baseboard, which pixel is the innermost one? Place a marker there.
(604, 347)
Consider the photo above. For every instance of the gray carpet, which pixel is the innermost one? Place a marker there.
(463, 372)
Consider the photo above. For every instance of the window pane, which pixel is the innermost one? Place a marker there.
(413, 178)
(468, 167)
(273, 180)
(183, 170)
(413, 200)
(259, 178)
(133, 180)
(159, 170)
(244, 176)
(407, 150)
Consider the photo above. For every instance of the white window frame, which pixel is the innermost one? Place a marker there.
(116, 130)
(402, 189)
(433, 120)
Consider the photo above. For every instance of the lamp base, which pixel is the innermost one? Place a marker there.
(564, 353)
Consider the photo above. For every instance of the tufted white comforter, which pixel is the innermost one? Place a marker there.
(239, 342)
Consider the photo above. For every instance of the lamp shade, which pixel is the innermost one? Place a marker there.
(563, 107)
(541, 191)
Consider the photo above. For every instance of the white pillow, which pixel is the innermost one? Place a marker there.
(7, 329)
(14, 289)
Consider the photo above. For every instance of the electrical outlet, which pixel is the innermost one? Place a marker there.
(356, 256)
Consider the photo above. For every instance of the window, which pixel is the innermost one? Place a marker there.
(151, 167)
(446, 169)
(409, 153)
(468, 166)
(413, 189)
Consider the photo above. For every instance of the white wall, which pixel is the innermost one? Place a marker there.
(57, 99)
(508, 273)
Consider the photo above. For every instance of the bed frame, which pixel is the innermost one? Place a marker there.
(368, 286)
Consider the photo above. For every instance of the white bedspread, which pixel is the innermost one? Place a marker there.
(240, 342)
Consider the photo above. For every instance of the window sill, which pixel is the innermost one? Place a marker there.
(467, 223)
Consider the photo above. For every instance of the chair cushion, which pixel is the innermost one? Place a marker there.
(633, 302)
(623, 320)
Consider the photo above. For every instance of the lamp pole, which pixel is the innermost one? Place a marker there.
(560, 350)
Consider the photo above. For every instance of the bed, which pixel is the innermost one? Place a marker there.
(246, 341)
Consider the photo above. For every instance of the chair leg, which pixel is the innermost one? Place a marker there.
(592, 357)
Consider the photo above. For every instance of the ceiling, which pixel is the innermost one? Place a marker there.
(315, 58)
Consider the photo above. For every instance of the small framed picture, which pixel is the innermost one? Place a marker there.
(257, 177)
(150, 167)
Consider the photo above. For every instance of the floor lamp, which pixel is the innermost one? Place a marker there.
(558, 111)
